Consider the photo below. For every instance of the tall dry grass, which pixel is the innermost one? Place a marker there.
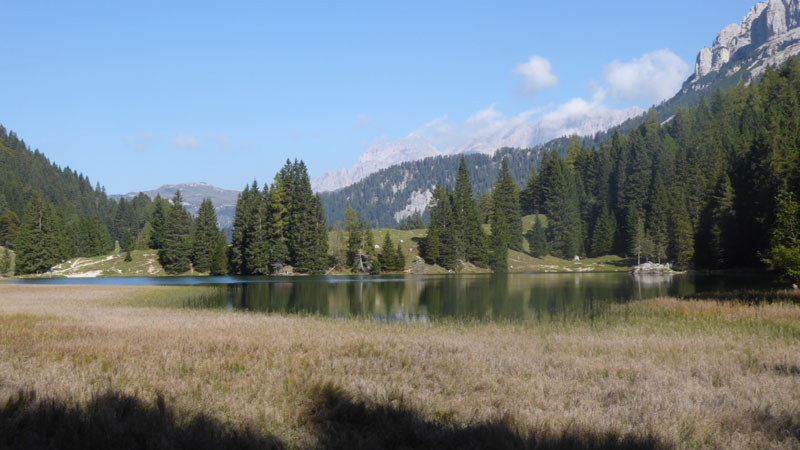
(656, 373)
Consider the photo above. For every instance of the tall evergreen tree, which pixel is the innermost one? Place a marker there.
(158, 221)
(240, 238)
(219, 257)
(604, 232)
(537, 239)
(205, 237)
(784, 256)
(723, 218)
(354, 239)
(505, 197)
(444, 229)
(278, 224)
(529, 197)
(175, 256)
(500, 238)
(388, 257)
(38, 243)
(470, 240)
(401, 258)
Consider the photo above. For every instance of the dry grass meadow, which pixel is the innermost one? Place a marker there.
(663, 373)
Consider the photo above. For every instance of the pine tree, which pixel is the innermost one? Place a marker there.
(175, 256)
(431, 244)
(158, 222)
(537, 239)
(38, 243)
(657, 220)
(354, 239)
(240, 237)
(204, 239)
(256, 233)
(470, 240)
(723, 220)
(529, 197)
(320, 249)
(498, 260)
(368, 251)
(561, 206)
(443, 221)
(388, 257)
(219, 259)
(604, 232)
(9, 228)
(681, 237)
(505, 196)
(278, 225)
(784, 255)
(401, 258)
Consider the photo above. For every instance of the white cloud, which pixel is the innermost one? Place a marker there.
(654, 77)
(536, 74)
(185, 141)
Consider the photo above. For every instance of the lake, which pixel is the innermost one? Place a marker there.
(425, 298)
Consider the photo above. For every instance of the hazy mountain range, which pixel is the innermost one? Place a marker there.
(193, 195)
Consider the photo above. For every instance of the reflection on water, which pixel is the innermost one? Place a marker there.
(533, 297)
(515, 297)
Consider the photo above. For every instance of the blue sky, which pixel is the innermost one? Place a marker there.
(140, 94)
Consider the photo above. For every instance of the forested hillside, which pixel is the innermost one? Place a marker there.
(715, 187)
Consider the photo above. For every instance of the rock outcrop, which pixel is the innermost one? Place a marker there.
(768, 36)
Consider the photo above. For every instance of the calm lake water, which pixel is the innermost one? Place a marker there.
(515, 297)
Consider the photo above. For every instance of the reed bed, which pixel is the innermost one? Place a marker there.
(659, 373)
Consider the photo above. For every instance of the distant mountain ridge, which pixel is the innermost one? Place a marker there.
(193, 194)
(516, 134)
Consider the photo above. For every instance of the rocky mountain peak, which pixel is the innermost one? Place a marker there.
(767, 35)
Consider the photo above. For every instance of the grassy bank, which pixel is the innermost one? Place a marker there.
(655, 373)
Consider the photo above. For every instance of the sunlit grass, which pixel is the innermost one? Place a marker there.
(692, 374)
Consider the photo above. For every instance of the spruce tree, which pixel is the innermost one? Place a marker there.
(442, 218)
(320, 249)
(158, 222)
(498, 259)
(219, 258)
(204, 239)
(505, 196)
(529, 197)
(723, 223)
(784, 255)
(256, 232)
(431, 244)
(470, 240)
(175, 256)
(278, 224)
(9, 228)
(604, 232)
(240, 237)
(401, 258)
(354, 239)
(388, 256)
(38, 244)
(681, 249)
(537, 239)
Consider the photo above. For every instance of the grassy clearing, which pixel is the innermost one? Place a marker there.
(654, 373)
(144, 264)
